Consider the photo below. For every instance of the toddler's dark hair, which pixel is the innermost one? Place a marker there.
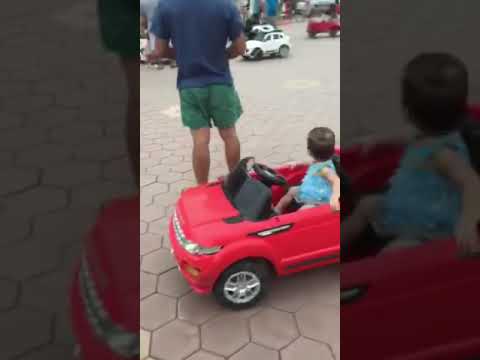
(321, 143)
(435, 91)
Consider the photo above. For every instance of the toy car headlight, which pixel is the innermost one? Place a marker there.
(188, 245)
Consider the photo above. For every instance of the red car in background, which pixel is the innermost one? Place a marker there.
(325, 24)
(226, 238)
(417, 303)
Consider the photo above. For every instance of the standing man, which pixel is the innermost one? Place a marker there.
(271, 12)
(199, 31)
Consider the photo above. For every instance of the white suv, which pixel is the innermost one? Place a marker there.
(274, 43)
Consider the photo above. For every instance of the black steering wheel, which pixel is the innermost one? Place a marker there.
(268, 176)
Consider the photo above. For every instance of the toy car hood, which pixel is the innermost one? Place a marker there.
(204, 205)
(253, 44)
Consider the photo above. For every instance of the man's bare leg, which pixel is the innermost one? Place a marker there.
(232, 146)
(132, 130)
(201, 155)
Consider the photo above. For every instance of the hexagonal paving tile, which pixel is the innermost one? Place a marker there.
(51, 352)
(166, 199)
(147, 180)
(175, 341)
(9, 290)
(76, 133)
(118, 170)
(168, 178)
(159, 226)
(143, 227)
(96, 194)
(152, 212)
(13, 180)
(306, 349)
(64, 226)
(44, 155)
(254, 351)
(14, 229)
(145, 340)
(47, 292)
(172, 283)
(37, 258)
(154, 189)
(225, 334)
(203, 355)
(320, 322)
(158, 170)
(148, 284)
(274, 329)
(21, 138)
(38, 200)
(31, 330)
(158, 262)
(289, 294)
(156, 311)
(149, 243)
(197, 309)
(179, 186)
(103, 150)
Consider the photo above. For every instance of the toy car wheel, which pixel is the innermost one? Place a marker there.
(243, 285)
(311, 35)
(333, 33)
(257, 54)
(284, 51)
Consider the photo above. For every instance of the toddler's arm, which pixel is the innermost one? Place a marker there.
(334, 180)
(454, 167)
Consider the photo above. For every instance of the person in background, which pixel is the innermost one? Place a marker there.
(147, 7)
(207, 92)
(271, 12)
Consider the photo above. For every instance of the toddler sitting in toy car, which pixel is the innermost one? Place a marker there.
(321, 184)
(435, 191)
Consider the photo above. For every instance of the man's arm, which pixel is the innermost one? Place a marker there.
(237, 48)
(163, 50)
(162, 30)
(235, 33)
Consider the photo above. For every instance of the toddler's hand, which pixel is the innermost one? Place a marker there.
(335, 204)
(468, 235)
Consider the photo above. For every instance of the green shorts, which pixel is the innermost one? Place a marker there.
(119, 26)
(217, 104)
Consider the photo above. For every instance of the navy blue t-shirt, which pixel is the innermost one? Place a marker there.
(199, 31)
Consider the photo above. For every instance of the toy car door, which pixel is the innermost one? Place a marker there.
(417, 304)
(269, 44)
(311, 240)
(277, 40)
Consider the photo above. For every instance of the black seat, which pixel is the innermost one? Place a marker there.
(255, 200)
(471, 135)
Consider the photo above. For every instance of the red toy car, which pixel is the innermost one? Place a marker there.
(417, 303)
(324, 24)
(227, 240)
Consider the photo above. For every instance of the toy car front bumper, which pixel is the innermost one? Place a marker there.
(199, 271)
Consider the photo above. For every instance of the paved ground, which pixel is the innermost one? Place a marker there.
(62, 155)
(283, 99)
